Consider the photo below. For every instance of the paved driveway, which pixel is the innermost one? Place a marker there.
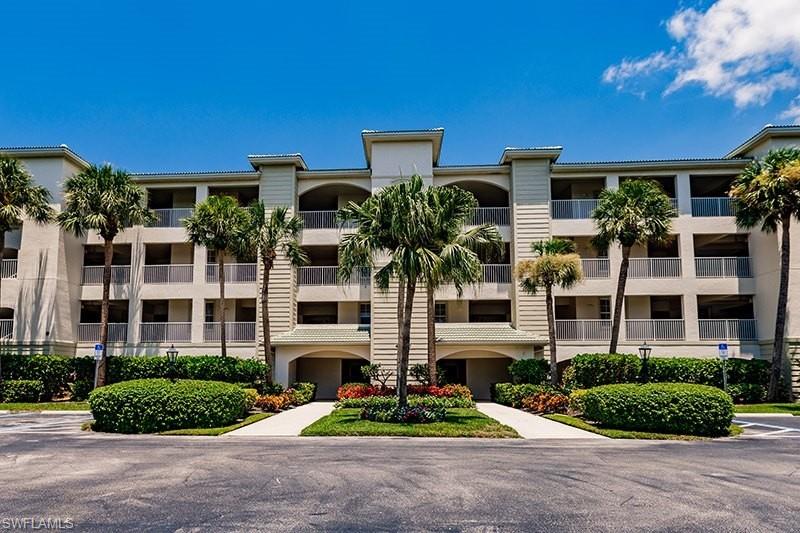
(771, 427)
(47, 422)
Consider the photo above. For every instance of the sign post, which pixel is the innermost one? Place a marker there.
(723, 355)
(98, 354)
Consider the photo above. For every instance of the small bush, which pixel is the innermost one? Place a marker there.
(407, 415)
(304, 393)
(155, 405)
(362, 390)
(272, 403)
(271, 388)
(512, 394)
(81, 389)
(748, 393)
(680, 408)
(21, 390)
(546, 402)
(446, 402)
(250, 399)
(533, 371)
(576, 400)
(444, 391)
(53, 371)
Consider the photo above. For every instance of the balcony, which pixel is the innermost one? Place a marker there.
(654, 267)
(8, 269)
(93, 275)
(572, 209)
(168, 273)
(721, 206)
(319, 219)
(728, 329)
(234, 331)
(496, 273)
(90, 332)
(234, 273)
(583, 330)
(599, 268)
(658, 330)
(163, 332)
(6, 328)
(329, 275)
(499, 216)
(722, 267)
(171, 218)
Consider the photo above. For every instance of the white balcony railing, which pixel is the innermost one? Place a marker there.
(8, 269)
(496, 273)
(583, 330)
(322, 220)
(93, 275)
(329, 275)
(234, 273)
(90, 332)
(721, 206)
(171, 218)
(6, 328)
(234, 331)
(566, 209)
(500, 216)
(168, 273)
(654, 267)
(596, 268)
(165, 332)
(722, 267)
(659, 330)
(674, 203)
(728, 329)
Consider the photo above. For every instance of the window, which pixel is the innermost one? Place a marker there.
(209, 312)
(364, 314)
(605, 308)
(440, 312)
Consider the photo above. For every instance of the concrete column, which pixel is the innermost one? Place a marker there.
(683, 190)
(199, 278)
(690, 316)
(612, 182)
(134, 300)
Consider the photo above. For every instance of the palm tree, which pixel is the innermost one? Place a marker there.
(218, 223)
(767, 193)
(556, 265)
(105, 200)
(269, 233)
(393, 223)
(20, 198)
(458, 250)
(638, 212)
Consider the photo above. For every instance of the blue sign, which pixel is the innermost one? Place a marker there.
(98, 347)
(723, 346)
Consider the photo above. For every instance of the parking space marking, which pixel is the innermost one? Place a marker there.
(762, 430)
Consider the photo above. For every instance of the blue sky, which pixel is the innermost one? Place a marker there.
(198, 85)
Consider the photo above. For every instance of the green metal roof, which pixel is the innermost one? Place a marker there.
(324, 334)
(484, 332)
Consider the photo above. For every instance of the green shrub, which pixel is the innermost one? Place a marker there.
(81, 389)
(748, 392)
(511, 394)
(304, 392)
(53, 371)
(154, 405)
(21, 390)
(534, 371)
(680, 408)
(576, 400)
(414, 400)
(591, 370)
(250, 398)
(419, 414)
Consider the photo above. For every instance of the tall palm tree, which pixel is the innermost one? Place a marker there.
(767, 193)
(270, 233)
(218, 223)
(458, 249)
(393, 223)
(105, 200)
(638, 212)
(556, 265)
(20, 198)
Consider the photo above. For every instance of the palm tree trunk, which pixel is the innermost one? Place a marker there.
(774, 394)
(432, 377)
(108, 255)
(222, 336)
(268, 355)
(402, 367)
(551, 335)
(401, 296)
(619, 299)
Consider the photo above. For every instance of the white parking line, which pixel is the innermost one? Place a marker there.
(758, 429)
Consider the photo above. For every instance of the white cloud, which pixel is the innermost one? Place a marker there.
(793, 111)
(745, 50)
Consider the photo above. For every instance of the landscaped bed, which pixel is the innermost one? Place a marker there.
(770, 408)
(459, 422)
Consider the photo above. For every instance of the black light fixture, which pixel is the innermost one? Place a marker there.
(644, 353)
(172, 356)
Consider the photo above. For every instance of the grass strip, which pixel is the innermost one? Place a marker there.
(626, 434)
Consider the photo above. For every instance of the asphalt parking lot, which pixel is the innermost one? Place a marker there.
(49, 468)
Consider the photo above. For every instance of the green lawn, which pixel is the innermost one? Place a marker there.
(792, 408)
(45, 406)
(459, 423)
(624, 434)
(214, 432)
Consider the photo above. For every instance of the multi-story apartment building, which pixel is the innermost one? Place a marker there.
(714, 283)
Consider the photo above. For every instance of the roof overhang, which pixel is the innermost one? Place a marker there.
(33, 152)
(264, 160)
(510, 154)
(433, 135)
(225, 175)
(767, 132)
(485, 333)
(338, 334)
(631, 166)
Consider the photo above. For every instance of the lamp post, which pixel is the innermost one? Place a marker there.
(172, 356)
(644, 353)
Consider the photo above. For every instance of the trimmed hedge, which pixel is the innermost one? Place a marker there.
(419, 414)
(53, 371)
(680, 408)
(511, 394)
(414, 400)
(535, 371)
(21, 390)
(155, 405)
(592, 370)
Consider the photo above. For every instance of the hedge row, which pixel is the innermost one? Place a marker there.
(21, 390)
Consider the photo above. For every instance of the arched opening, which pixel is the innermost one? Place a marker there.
(477, 369)
(487, 194)
(329, 369)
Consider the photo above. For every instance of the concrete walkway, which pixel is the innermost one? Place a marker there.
(286, 424)
(533, 426)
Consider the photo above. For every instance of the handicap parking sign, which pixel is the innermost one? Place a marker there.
(723, 350)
